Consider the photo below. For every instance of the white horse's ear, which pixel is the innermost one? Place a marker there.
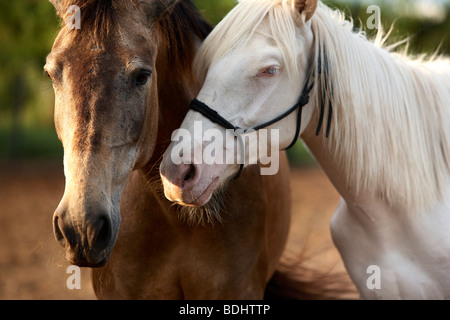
(306, 7)
(158, 9)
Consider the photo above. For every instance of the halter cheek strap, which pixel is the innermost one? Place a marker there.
(215, 117)
(211, 114)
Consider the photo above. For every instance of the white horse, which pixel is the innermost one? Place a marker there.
(384, 142)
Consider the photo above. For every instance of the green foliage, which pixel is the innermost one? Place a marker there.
(214, 10)
(34, 143)
(27, 30)
(426, 28)
(300, 156)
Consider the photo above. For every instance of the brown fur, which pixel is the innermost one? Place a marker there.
(98, 16)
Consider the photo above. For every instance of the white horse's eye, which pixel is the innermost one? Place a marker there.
(272, 71)
(269, 72)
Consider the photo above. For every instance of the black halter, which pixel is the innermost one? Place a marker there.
(215, 117)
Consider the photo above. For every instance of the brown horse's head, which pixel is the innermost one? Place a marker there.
(106, 115)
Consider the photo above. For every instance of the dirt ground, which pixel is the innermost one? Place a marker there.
(32, 264)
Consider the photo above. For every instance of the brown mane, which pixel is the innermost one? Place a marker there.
(178, 32)
(96, 15)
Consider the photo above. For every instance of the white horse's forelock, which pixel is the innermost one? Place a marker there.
(241, 23)
(390, 131)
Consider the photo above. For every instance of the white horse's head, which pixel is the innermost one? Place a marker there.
(254, 65)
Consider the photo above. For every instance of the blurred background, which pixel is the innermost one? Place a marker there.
(31, 175)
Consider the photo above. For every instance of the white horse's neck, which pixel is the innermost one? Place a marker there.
(411, 249)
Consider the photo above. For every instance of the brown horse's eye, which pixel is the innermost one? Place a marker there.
(142, 78)
(48, 75)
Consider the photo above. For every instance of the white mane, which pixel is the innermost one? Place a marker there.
(391, 128)
(391, 113)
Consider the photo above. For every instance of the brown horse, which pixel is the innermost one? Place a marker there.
(123, 83)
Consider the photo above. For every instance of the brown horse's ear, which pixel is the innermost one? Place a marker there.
(58, 4)
(158, 9)
(306, 7)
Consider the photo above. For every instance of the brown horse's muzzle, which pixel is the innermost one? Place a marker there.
(88, 237)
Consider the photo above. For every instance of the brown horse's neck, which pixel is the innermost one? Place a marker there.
(180, 35)
(173, 98)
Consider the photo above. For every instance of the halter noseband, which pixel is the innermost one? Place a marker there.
(215, 117)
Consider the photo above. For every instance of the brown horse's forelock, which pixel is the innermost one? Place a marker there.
(100, 17)
(176, 30)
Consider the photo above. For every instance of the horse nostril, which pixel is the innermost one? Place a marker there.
(190, 174)
(56, 230)
(102, 233)
(96, 233)
(64, 235)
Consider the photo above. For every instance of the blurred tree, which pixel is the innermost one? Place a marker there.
(215, 10)
(425, 22)
(26, 35)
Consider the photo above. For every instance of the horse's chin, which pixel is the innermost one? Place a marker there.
(88, 260)
(196, 195)
(199, 198)
(86, 264)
